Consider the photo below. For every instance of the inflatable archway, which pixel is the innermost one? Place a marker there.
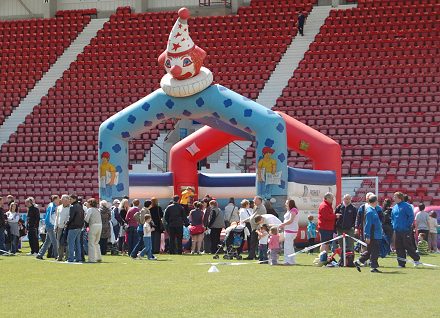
(186, 92)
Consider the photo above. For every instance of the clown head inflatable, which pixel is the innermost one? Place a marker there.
(183, 62)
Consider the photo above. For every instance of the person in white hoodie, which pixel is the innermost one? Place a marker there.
(93, 218)
(13, 217)
(61, 217)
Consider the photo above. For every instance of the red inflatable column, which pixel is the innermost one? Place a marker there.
(186, 153)
(322, 150)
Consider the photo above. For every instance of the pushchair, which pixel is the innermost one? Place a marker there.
(233, 243)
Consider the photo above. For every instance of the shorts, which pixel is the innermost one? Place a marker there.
(326, 235)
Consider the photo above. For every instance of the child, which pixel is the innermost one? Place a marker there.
(311, 232)
(274, 245)
(373, 235)
(422, 246)
(148, 228)
(263, 235)
(433, 228)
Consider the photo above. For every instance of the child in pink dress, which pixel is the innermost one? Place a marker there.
(274, 245)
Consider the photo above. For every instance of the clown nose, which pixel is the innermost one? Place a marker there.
(176, 70)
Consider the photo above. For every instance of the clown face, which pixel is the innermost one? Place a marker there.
(180, 68)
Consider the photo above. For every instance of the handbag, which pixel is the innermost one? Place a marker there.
(196, 229)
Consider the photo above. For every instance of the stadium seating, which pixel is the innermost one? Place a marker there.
(371, 81)
(27, 49)
(57, 144)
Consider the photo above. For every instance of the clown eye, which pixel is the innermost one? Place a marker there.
(187, 62)
(168, 63)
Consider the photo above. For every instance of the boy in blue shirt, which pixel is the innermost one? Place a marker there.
(311, 232)
(373, 235)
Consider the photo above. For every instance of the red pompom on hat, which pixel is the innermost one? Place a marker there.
(268, 150)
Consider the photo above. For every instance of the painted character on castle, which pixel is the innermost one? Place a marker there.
(107, 176)
(267, 173)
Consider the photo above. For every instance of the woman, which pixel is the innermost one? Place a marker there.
(156, 215)
(245, 213)
(123, 208)
(290, 226)
(216, 224)
(104, 209)
(93, 218)
(196, 229)
(13, 217)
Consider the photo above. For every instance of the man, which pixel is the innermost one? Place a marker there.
(326, 220)
(402, 218)
(33, 223)
(360, 222)
(345, 220)
(62, 215)
(268, 219)
(231, 213)
(132, 226)
(74, 226)
(49, 220)
(301, 21)
(259, 209)
(373, 235)
(2, 227)
(175, 217)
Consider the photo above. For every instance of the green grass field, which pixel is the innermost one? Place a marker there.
(178, 286)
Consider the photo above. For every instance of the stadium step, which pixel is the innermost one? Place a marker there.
(48, 80)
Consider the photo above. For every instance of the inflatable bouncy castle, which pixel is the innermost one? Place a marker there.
(187, 92)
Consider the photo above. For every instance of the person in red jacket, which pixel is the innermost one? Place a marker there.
(326, 220)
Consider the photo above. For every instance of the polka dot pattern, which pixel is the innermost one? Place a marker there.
(146, 107)
(280, 127)
(227, 103)
(131, 119)
(186, 113)
(200, 102)
(118, 169)
(169, 104)
(110, 126)
(281, 157)
(148, 123)
(233, 121)
(116, 148)
(269, 142)
(247, 113)
(125, 134)
(160, 116)
(120, 187)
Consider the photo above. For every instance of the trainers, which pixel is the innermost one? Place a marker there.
(357, 265)
(39, 257)
(401, 266)
(417, 263)
(375, 270)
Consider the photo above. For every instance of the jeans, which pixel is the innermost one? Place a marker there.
(155, 237)
(132, 238)
(140, 244)
(262, 252)
(14, 243)
(61, 241)
(147, 247)
(74, 245)
(50, 240)
(33, 240)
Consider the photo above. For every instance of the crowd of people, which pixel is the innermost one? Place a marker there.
(74, 229)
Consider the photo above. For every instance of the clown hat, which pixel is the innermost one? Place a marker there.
(179, 41)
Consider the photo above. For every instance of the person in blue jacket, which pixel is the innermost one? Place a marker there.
(402, 218)
(49, 221)
(373, 235)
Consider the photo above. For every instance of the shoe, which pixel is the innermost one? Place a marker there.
(99, 261)
(29, 254)
(152, 259)
(417, 263)
(357, 265)
(375, 270)
(401, 266)
(39, 257)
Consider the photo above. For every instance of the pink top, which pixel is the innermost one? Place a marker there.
(274, 241)
(129, 218)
